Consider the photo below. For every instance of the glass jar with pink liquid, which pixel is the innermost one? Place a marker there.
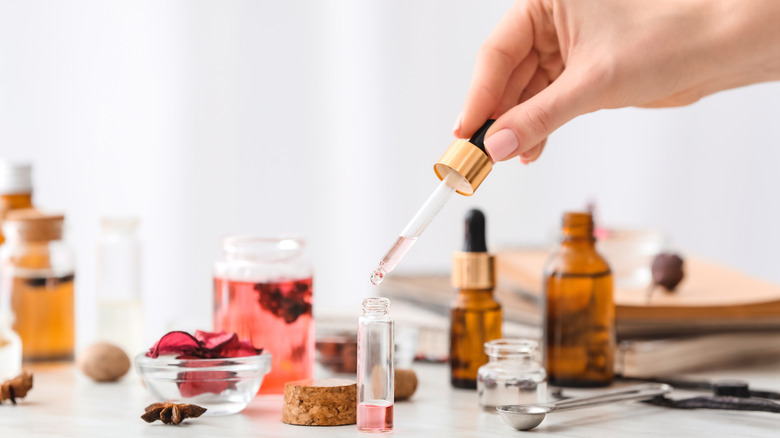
(263, 292)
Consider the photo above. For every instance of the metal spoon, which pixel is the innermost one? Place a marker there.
(527, 417)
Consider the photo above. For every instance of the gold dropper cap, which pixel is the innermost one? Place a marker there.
(468, 159)
(474, 267)
(473, 270)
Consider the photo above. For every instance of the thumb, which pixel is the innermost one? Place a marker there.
(528, 124)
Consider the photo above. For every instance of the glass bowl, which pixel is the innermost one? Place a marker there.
(223, 386)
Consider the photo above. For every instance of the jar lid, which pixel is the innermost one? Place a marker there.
(507, 348)
(125, 225)
(31, 225)
(15, 178)
(267, 249)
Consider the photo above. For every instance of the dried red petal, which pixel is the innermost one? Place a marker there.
(179, 343)
(214, 340)
(204, 345)
(240, 349)
(193, 383)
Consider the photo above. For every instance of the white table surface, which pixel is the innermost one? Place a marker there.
(64, 403)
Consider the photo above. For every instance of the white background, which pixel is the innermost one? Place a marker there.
(324, 118)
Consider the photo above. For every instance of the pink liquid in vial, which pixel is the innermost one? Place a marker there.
(375, 416)
(275, 316)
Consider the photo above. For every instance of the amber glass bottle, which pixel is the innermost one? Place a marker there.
(15, 189)
(476, 316)
(580, 311)
(37, 272)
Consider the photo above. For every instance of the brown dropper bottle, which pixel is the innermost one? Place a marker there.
(580, 311)
(476, 316)
(15, 189)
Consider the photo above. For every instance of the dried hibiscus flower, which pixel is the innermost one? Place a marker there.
(287, 300)
(203, 345)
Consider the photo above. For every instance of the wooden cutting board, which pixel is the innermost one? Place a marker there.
(711, 297)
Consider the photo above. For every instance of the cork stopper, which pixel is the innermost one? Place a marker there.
(320, 402)
(30, 225)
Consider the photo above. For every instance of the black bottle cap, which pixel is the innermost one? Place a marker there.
(475, 232)
(734, 388)
(478, 139)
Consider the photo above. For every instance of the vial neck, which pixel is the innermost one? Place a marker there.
(578, 242)
(13, 201)
(577, 229)
(373, 307)
(511, 358)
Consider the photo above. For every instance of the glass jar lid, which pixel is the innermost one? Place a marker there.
(267, 249)
(511, 348)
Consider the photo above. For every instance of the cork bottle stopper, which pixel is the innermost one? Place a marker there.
(31, 225)
(320, 402)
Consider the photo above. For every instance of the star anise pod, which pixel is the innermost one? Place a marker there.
(16, 387)
(171, 413)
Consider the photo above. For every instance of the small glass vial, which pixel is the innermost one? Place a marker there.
(37, 270)
(10, 347)
(514, 375)
(375, 367)
(119, 307)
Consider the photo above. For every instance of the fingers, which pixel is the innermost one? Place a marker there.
(533, 154)
(506, 47)
(520, 130)
(518, 82)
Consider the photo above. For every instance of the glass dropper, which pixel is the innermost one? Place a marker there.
(462, 168)
(416, 226)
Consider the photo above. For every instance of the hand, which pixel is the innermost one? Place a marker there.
(548, 61)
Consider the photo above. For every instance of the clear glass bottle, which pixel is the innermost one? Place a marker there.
(37, 269)
(263, 292)
(514, 374)
(119, 306)
(10, 346)
(375, 367)
(15, 188)
(580, 311)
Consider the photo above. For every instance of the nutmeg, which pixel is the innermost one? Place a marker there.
(668, 271)
(103, 362)
(405, 384)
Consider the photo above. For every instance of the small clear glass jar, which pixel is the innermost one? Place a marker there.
(513, 375)
(263, 292)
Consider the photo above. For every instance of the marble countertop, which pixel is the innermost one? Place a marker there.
(64, 403)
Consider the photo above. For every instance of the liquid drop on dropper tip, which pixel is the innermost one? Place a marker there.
(377, 276)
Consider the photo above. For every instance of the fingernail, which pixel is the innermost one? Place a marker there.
(501, 144)
(456, 128)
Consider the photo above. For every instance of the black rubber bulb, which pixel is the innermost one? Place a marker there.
(478, 139)
(475, 232)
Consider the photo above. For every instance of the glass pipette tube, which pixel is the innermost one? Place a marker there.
(416, 226)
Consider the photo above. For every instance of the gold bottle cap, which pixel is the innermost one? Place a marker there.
(468, 159)
(474, 267)
(473, 270)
